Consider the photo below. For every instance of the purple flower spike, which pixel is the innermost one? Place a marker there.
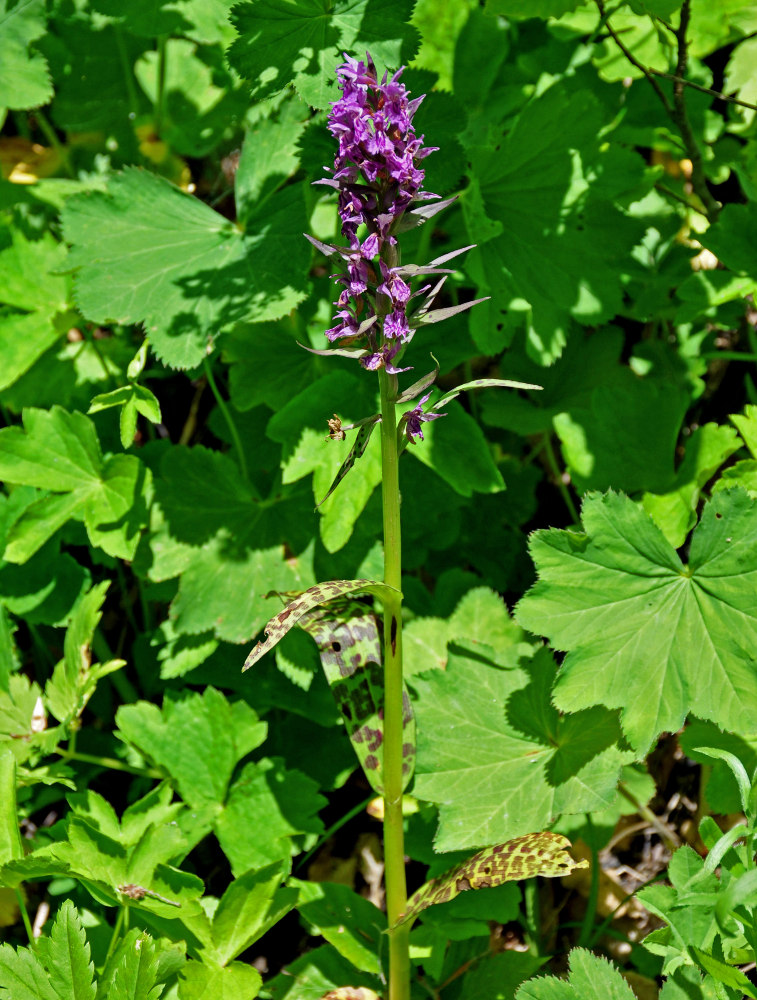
(416, 417)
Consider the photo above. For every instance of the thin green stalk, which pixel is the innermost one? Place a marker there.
(533, 915)
(332, 830)
(668, 836)
(123, 56)
(555, 470)
(50, 134)
(116, 935)
(111, 763)
(228, 418)
(25, 917)
(394, 836)
(161, 94)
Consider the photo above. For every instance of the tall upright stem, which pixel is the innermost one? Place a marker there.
(394, 843)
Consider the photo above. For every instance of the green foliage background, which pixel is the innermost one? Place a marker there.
(163, 450)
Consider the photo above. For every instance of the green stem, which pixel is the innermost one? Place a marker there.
(394, 835)
(557, 475)
(50, 134)
(123, 56)
(332, 830)
(111, 763)
(25, 917)
(228, 418)
(160, 99)
(115, 936)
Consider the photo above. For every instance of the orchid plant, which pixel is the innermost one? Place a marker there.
(378, 176)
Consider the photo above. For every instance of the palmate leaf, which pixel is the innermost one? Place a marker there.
(524, 857)
(321, 593)
(346, 633)
(555, 238)
(199, 275)
(496, 756)
(644, 632)
(302, 41)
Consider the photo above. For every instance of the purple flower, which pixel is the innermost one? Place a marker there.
(416, 417)
(347, 328)
(396, 326)
(383, 358)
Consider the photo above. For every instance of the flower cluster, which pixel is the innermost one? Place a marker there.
(378, 177)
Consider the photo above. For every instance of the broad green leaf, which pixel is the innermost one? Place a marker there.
(456, 449)
(322, 973)
(136, 975)
(309, 37)
(237, 981)
(746, 424)
(267, 365)
(10, 836)
(225, 543)
(557, 247)
(521, 858)
(68, 957)
(251, 905)
(626, 438)
(498, 758)
(590, 976)
(675, 512)
(267, 806)
(22, 975)
(59, 451)
(314, 597)
(24, 77)
(212, 733)
(38, 298)
(728, 238)
(346, 633)
(645, 633)
(498, 977)
(270, 154)
(352, 925)
(200, 273)
(149, 18)
(200, 96)
(300, 427)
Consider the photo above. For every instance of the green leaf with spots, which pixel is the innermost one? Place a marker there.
(521, 858)
(496, 756)
(320, 594)
(197, 273)
(347, 636)
(302, 42)
(644, 632)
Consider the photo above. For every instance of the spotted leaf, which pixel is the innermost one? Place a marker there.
(322, 593)
(347, 636)
(534, 854)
